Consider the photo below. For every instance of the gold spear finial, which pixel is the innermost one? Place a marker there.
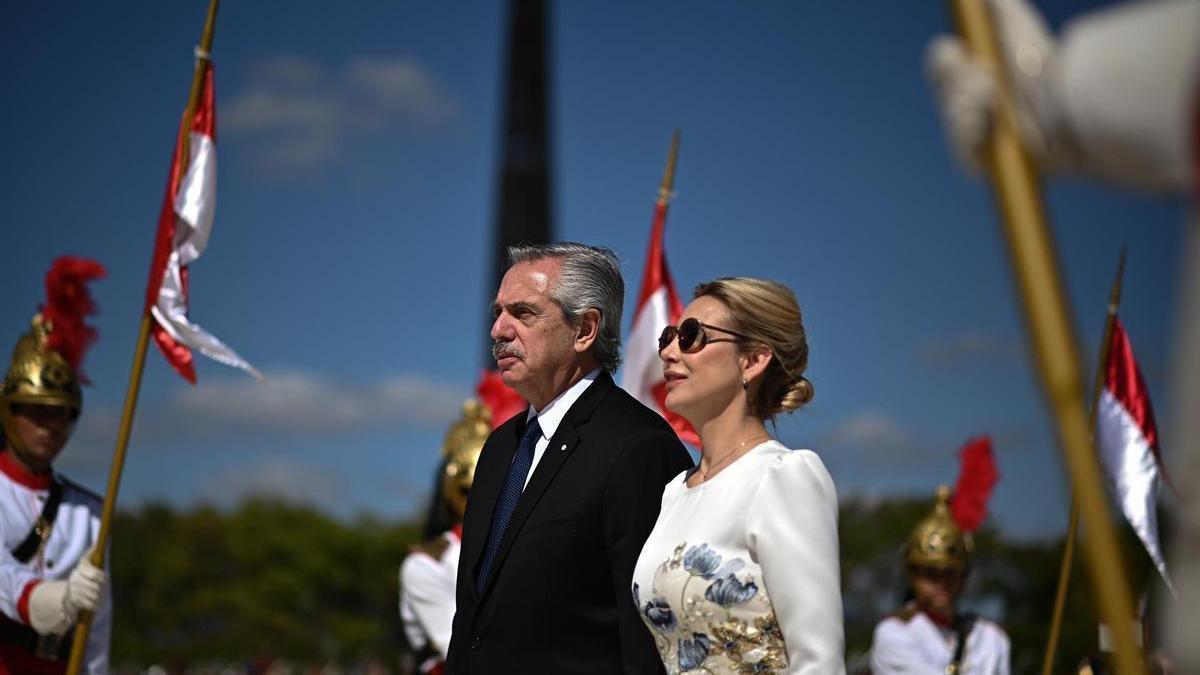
(1114, 298)
(668, 181)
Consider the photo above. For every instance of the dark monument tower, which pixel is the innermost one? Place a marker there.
(524, 201)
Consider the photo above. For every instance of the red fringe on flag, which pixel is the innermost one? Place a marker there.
(68, 304)
(977, 476)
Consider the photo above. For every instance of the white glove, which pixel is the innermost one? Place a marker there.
(1115, 97)
(47, 608)
(85, 586)
(55, 605)
(967, 89)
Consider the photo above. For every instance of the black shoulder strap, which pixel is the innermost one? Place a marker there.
(965, 624)
(33, 541)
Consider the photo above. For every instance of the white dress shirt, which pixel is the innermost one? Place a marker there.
(552, 415)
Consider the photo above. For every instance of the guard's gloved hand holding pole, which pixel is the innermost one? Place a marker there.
(54, 606)
(1113, 97)
(966, 90)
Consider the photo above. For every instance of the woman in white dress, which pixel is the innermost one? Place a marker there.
(740, 574)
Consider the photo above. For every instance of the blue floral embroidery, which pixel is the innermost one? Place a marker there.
(658, 613)
(734, 644)
(693, 652)
(728, 591)
(703, 561)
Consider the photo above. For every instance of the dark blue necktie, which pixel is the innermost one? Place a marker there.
(514, 485)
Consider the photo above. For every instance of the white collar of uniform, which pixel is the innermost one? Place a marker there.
(554, 412)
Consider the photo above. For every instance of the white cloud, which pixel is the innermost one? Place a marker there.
(874, 437)
(264, 109)
(297, 115)
(286, 69)
(400, 86)
(277, 477)
(290, 403)
(297, 402)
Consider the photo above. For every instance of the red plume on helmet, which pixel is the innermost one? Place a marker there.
(499, 398)
(977, 476)
(68, 304)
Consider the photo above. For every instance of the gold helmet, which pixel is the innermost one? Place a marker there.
(39, 375)
(937, 541)
(464, 441)
(45, 362)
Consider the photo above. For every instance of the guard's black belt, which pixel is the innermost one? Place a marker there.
(53, 647)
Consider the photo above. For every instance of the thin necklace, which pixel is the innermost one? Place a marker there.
(713, 467)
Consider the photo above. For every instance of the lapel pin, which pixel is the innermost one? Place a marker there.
(564, 447)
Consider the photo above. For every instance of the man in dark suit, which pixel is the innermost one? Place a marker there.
(566, 492)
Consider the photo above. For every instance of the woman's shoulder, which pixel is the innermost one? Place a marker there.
(787, 469)
(781, 458)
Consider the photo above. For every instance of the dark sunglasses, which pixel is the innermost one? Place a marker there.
(692, 336)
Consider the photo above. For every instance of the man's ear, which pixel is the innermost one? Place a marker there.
(587, 329)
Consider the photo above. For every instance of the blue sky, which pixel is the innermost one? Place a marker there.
(357, 149)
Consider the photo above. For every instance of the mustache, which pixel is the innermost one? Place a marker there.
(504, 348)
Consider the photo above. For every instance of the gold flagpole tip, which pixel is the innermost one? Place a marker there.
(1114, 298)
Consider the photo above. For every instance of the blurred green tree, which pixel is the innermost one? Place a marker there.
(272, 580)
(266, 580)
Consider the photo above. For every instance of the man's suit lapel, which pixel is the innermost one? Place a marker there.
(561, 445)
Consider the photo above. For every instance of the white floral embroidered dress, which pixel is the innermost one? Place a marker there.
(740, 574)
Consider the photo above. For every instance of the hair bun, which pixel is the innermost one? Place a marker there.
(797, 395)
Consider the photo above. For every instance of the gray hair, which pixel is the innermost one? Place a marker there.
(590, 278)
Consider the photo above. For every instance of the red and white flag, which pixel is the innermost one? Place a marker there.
(1127, 440)
(658, 306)
(184, 225)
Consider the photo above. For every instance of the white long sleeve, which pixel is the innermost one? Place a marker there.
(792, 533)
(1127, 85)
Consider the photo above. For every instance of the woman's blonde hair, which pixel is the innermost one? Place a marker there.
(767, 312)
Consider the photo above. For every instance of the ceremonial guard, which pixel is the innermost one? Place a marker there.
(427, 576)
(929, 636)
(48, 524)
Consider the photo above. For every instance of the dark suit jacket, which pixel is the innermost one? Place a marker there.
(559, 596)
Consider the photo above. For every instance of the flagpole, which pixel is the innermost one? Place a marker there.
(665, 189)
(83, 627)
(1064, 574)
(1052, 338)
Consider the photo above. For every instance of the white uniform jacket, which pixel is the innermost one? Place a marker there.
(72, 536)
(427, 586)
(910, 643)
